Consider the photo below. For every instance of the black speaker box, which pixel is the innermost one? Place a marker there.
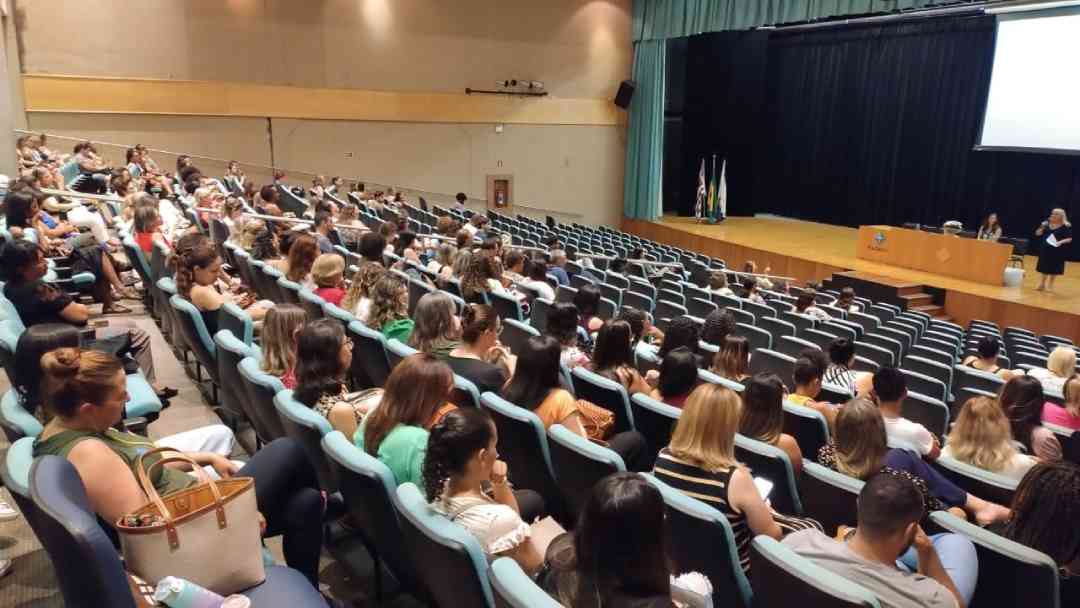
(625, 94)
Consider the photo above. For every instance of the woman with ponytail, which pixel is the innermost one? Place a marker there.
(396, 432)
(85, 392)
(201, 281)
(462, 458)
(480, 358)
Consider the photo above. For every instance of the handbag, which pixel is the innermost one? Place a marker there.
(210, 534)
(597, 421)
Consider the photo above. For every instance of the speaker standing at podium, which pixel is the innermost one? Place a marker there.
(1055, 233)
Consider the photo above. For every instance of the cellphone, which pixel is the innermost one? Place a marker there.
(764, 487)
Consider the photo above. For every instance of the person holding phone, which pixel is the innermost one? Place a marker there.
(1055, 232)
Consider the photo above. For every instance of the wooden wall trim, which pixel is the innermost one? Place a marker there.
(93, 95)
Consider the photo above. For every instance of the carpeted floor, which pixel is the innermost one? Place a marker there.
(31, 583)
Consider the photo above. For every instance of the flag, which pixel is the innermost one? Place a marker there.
(699, 203)
(721, 195)
(712, 189)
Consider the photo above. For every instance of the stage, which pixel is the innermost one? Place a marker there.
(811, 251)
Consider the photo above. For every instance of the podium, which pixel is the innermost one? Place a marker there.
(944, 254)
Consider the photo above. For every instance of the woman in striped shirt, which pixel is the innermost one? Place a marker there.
(700, 462)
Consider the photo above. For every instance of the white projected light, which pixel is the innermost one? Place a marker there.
(1034, 99)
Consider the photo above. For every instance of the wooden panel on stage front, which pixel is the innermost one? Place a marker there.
(947, 254)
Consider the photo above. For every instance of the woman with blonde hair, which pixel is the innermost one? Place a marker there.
(859, 449)
(733, 359)
(249, 231)
(390, 308)
(700, 462)
(279, 341)
(358, 299)
(1060, 365)
(1053, 253)
(981, 437)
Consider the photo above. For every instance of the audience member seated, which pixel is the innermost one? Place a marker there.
(557, 266)
(981, 437)
(358, 298)
(682, 332)
(987, 359)
(302, 253)
(719, 324)
(718, 284)
(859, 449)
(587, 301)
(678, 377)
(86, 392)
(147, 229)
(38, 302)
(751, 267)
(1060, 366)
(562, 324)
(389, 312)
(733, 360)
(1022, 400)
(1067, 416)
(599, 564)
(700, 461)
(323, 357)
(481, 277)
(646, 335)
(465, 481)
(396, 432)
(889, 392)
(198, 272)
(807, 376)
(1045, 502)
(846, 301)
(267, 247)
(889, 555)
(614, 360)
(372, 247)
(280, 327)
(328, 274)
(29, 380)
(804, 305)
(535, 386)
(479, 357)
(763, 416)
(323, 224)
(537, 279)
(513, 266)
(437, 329)
(752, 290)
(443, 262)
(839, 372)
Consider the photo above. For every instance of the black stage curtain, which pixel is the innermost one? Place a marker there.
(866, 125)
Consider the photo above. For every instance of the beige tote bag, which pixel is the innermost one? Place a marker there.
(210, 535)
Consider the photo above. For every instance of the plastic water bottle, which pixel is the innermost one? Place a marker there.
(179, 593)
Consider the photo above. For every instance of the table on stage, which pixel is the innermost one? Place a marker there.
(946, 254)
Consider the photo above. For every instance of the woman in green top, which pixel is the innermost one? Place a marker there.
(437, 329)
(396, 432)
(390, 308)
(86, 392)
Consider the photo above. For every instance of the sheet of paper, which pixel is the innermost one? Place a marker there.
(1052, 240)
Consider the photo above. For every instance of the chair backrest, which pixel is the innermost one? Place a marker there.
(370, 367)
(417, 290)
(312, 304)
(308, 427)
(290, 291)
(515, 334)
(369, 490)
(1002, 563)
(782, 578)
(17, 422)
(507, 306)
(701, 540)
(926, 385)
(605, 393)
(875, 352)
(792, 346)
(772, 362)
(16, 471)
(261, 388)
(523, 445)
(515, 589)
(396, 350)
(538, 313)
(978, 482)
(193, 328)
(757, 337)
(776, 328)
(829, 497)
(238, 321)
(967, 377)
(578, 464)
(230, 352)
(655, 420)
(705, 375)
(87, 564)
(808, 427)
(927, 411)
(772, 463)
(447, 558)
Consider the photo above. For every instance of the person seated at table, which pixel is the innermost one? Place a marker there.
(990, 229)
(986, 359)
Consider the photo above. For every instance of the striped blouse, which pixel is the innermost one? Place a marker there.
(710, 488)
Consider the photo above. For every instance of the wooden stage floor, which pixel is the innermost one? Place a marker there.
(812, 251)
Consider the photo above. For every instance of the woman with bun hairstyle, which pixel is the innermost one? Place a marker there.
(85, 392)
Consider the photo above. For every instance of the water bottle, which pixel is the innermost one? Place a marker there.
(179, 593)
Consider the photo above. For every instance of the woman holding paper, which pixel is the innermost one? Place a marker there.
(1056, 232)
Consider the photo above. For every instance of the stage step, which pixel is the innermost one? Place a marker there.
(916, 299)
(933, 310)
